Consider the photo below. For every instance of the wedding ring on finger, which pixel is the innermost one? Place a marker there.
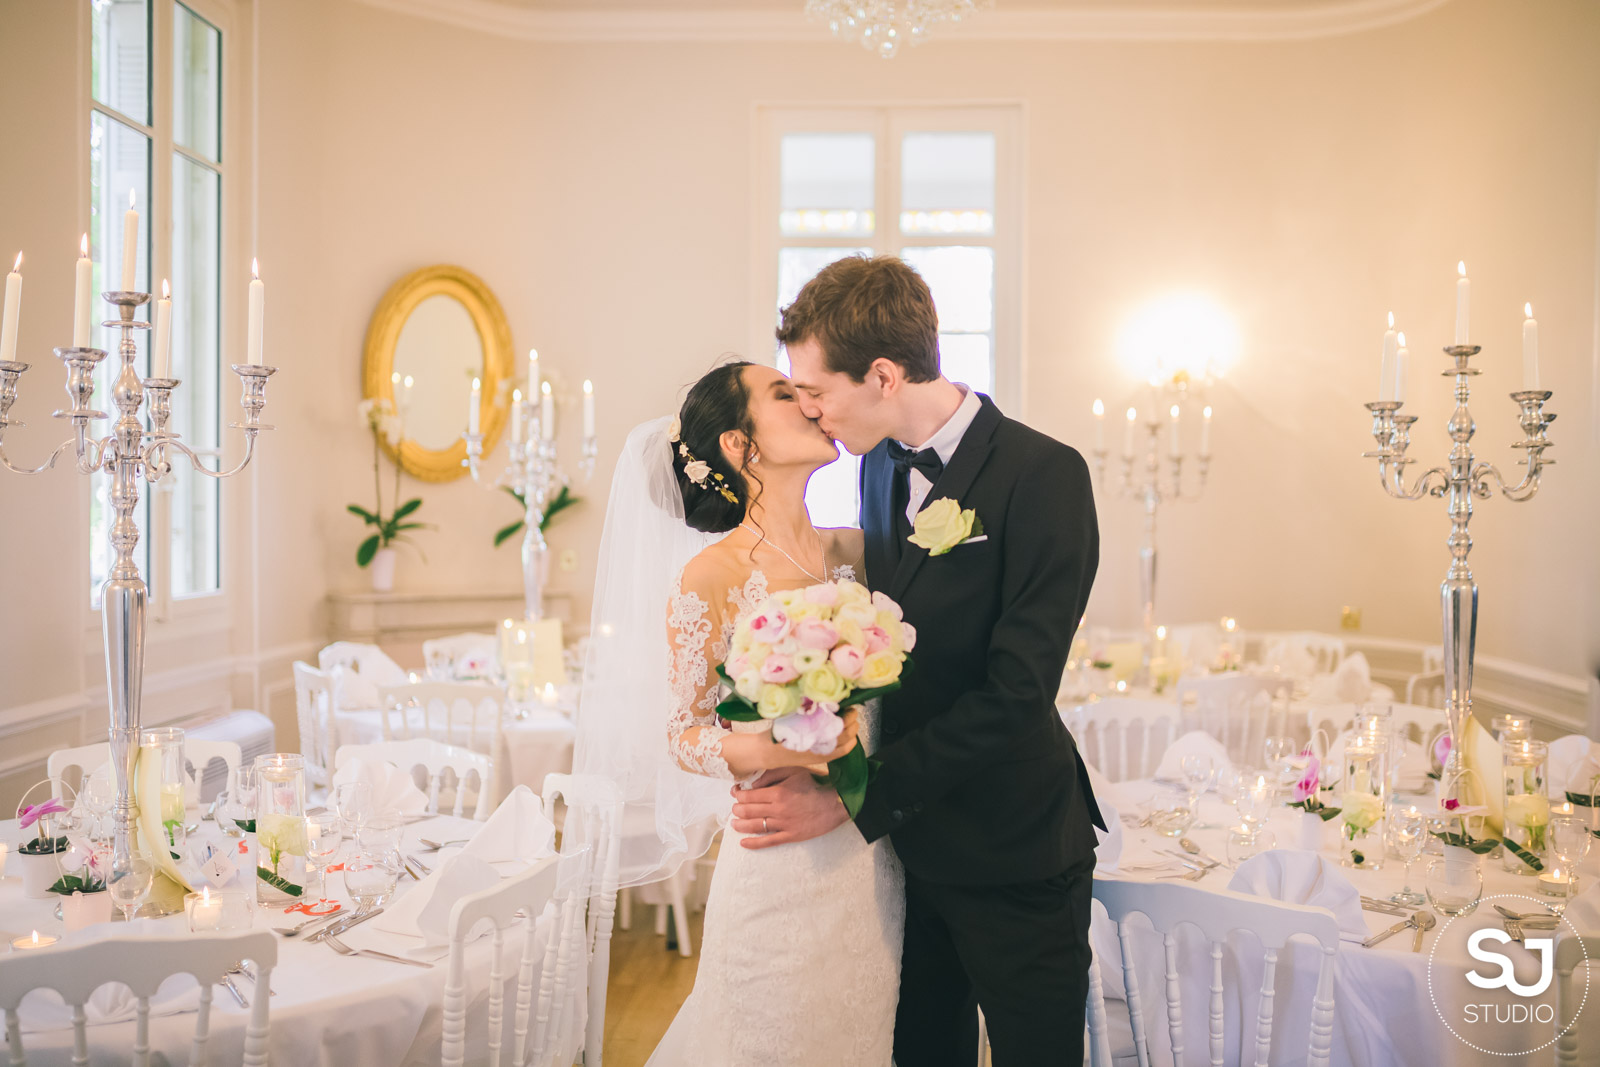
(764, 829)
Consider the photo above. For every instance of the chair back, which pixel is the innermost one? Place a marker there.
(1217, 915)
(593, 823)
(435, 758)
(1573, 951)
(441, 654)
(369, 661)
(1326, 651)
(1419, 724)
(1240, 710)
(319, 726)
(141, 964)
(198, 753)
(1123, 738)
(515, 904)
(457, 713)
(1426, 688)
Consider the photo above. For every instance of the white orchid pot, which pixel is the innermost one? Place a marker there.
(382, 568)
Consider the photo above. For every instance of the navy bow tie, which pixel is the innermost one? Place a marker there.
(926, 460)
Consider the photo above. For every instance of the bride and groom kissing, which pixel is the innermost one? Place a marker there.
(964, 880)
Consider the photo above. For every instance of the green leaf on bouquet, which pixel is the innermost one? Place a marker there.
(1478, 846)
(735, 708)
(505, 532)
(849, 775)
(1533, 862)
(276, 882)
(1582, 800)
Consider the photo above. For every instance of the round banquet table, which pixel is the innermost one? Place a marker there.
(1384, 1010)
(326, 1008)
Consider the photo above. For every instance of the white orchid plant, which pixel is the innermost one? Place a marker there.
(379, 417)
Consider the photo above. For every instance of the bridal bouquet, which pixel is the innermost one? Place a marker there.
(802, 657)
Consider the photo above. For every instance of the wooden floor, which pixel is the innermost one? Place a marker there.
(647, 986)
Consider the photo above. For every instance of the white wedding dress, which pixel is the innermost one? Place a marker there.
(800, 957)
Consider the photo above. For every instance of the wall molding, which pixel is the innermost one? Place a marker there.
(1332, 18)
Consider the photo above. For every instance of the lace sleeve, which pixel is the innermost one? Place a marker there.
(694, 736)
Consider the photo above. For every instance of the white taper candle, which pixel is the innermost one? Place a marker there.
(130, 246)
(516, 416)
(1175, 441)
(533, 373)
(1463, 302)
(1099, 426)
(547, 412)
(1127, 436)
(161, 341)
(82, 294)
(588, 408)
(472, 405)
(1205, 431)
(10, 320)
(1530, 349)
(1386, 372)
(1401, 358)
(258, 302)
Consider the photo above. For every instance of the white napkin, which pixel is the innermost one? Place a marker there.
(43, 1009)
(1574, 765)
(1350, 683)
(513, 837)
(1193, 743)
(1290, 658)
(1296, 877)
(352, 691)
(1108, 842)
(394, 791)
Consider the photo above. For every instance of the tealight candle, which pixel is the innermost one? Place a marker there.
(548, 695)
(217, 910)
(4, 849)
(38, 940)
(1555, 882)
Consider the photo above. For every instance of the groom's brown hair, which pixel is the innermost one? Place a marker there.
(864, 308)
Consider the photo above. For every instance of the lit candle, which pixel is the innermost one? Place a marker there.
(547, 412)
(1401, 358)
(405, 397)
(8, 323)
(82, 292)
(548, 695)
(588, 408)
(1230, 625)
(1127, 437)
(38, 940)
(472, 405)
(1530, 348)
(258, 299)
(1099, 426)
(533, 372)
(1174, 414)
(130, 246)
(1205, 431)
(1463, 302)
(4, 850)
(1161, 640)
(205, 911)
(1386, 373)
(161, 342)
(516, 416)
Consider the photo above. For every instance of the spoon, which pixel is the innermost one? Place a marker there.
(1425, 922)
(1188, 845)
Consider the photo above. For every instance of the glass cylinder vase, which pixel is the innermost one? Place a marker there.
(1365, 795)
(1524, 764)
(280, 828)
(161, 752)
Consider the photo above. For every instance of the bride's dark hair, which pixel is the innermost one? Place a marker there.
(717, 403)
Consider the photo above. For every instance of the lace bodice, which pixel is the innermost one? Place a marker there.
(700, 628)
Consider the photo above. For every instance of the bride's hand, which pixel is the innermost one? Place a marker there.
(783, 757)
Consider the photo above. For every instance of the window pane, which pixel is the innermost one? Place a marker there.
(120, 56)
(119, 160)
(196, 337)
(964, 357)
(833, 496)
(827, 184)
(947, 183)
(962, 280)
(196, 83)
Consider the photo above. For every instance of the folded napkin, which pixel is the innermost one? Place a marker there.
(1296, 877)
(1193, 743)
(1574, 766)
(353, 691)
(43, 1009)
(394, 791)
(1108, 842)
(1350, 682)
(513, 837)
(1290, 658)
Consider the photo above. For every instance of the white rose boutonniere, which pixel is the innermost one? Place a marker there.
(943, 525)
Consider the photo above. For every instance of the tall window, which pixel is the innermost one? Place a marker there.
(155, 129)
(935, 186)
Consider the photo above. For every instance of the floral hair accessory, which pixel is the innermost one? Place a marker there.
(698, 471)
(674, 430)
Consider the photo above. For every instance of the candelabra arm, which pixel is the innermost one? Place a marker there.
(1434, 481)
(157, 466)
(61, 450)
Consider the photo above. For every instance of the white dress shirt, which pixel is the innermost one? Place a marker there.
(945, 443)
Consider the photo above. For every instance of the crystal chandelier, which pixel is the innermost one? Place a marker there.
(882, 26)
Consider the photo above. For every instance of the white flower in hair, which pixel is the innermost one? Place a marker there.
(697, 471)
(674, 430)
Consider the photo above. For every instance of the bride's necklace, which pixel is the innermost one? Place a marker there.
(791, 559)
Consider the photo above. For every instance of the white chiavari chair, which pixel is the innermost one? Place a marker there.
(141, 964)
(457, 713)
(369, 661)
(1325, 650)
(514, 904)
(197, 752)
(1217, 915)
(441, 654)
(435, 758)
(1573, 951)
(1123, 738)
(1419, 724)
(319, 727)
(1240, 710)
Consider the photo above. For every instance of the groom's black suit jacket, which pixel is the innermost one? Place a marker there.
(981, 784)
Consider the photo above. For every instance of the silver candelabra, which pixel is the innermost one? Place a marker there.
(126, 454)
(1458, 481)
(533, 471)
(1151, 487)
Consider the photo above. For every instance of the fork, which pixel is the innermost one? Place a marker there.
(345, 950)
(1190, 876)
(435, 846)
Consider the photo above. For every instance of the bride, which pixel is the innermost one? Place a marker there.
(800, 956)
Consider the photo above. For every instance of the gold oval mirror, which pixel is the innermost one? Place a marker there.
(440, 327)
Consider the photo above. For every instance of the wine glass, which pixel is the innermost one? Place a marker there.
(1229, 784)
(1279, 752)
(370, 878)
(1254, 800)
(323, 838)
(1569, 842)
(97, 795)
(130, 884)
(1406, 829)
(1200, 771)
(353, 802)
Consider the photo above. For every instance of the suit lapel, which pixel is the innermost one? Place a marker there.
(953, 484)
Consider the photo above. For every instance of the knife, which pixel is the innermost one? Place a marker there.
(227, 980)
(339, 928)
(1395, 929)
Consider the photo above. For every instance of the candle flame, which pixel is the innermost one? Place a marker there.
(1207, 411)
(1161, 633)
(1174, 411)
(1099, 408)
(166, 289)
(255, 267)
(516, 398)
(1527, 308)
(545, 386)
(476, 385)
(18, 264)
(205, 893)
(409, 380)
(83, 247)
(1402, 338)
(588, 387)
(1132, 414)
(36, 937)
(533, 355)
(131, 201)
(1391, 320)
(1461, 268)
(394, 379)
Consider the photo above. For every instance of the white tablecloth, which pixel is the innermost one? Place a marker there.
(329, 1009)
(1383, 1012)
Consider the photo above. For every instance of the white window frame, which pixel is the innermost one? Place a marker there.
(889, 122)
(205, 616)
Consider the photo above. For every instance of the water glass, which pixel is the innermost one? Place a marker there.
(1406, 831)
(1453, 887)
(1200, 771)
(1569, 844)
(1172, 809)
(1255, 800)
(130, 884)
(323, 837)
(353, 802)
(370, 878)
(1230, 783)
(1279, 753)
(1247, 841)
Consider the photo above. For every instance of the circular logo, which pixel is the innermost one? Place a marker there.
(1498, 996)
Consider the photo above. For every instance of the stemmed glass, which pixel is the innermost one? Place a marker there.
(1280, 753)
(353, 802)
(1407, 832)
(1569, 842)
(130, 884)
(323, 838)
(1254, 802)
(1229, 784)
(1200, 771)
(97, 795)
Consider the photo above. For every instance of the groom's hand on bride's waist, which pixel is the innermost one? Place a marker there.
(786, 805)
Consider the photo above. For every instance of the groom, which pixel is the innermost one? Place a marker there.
(981, 790)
